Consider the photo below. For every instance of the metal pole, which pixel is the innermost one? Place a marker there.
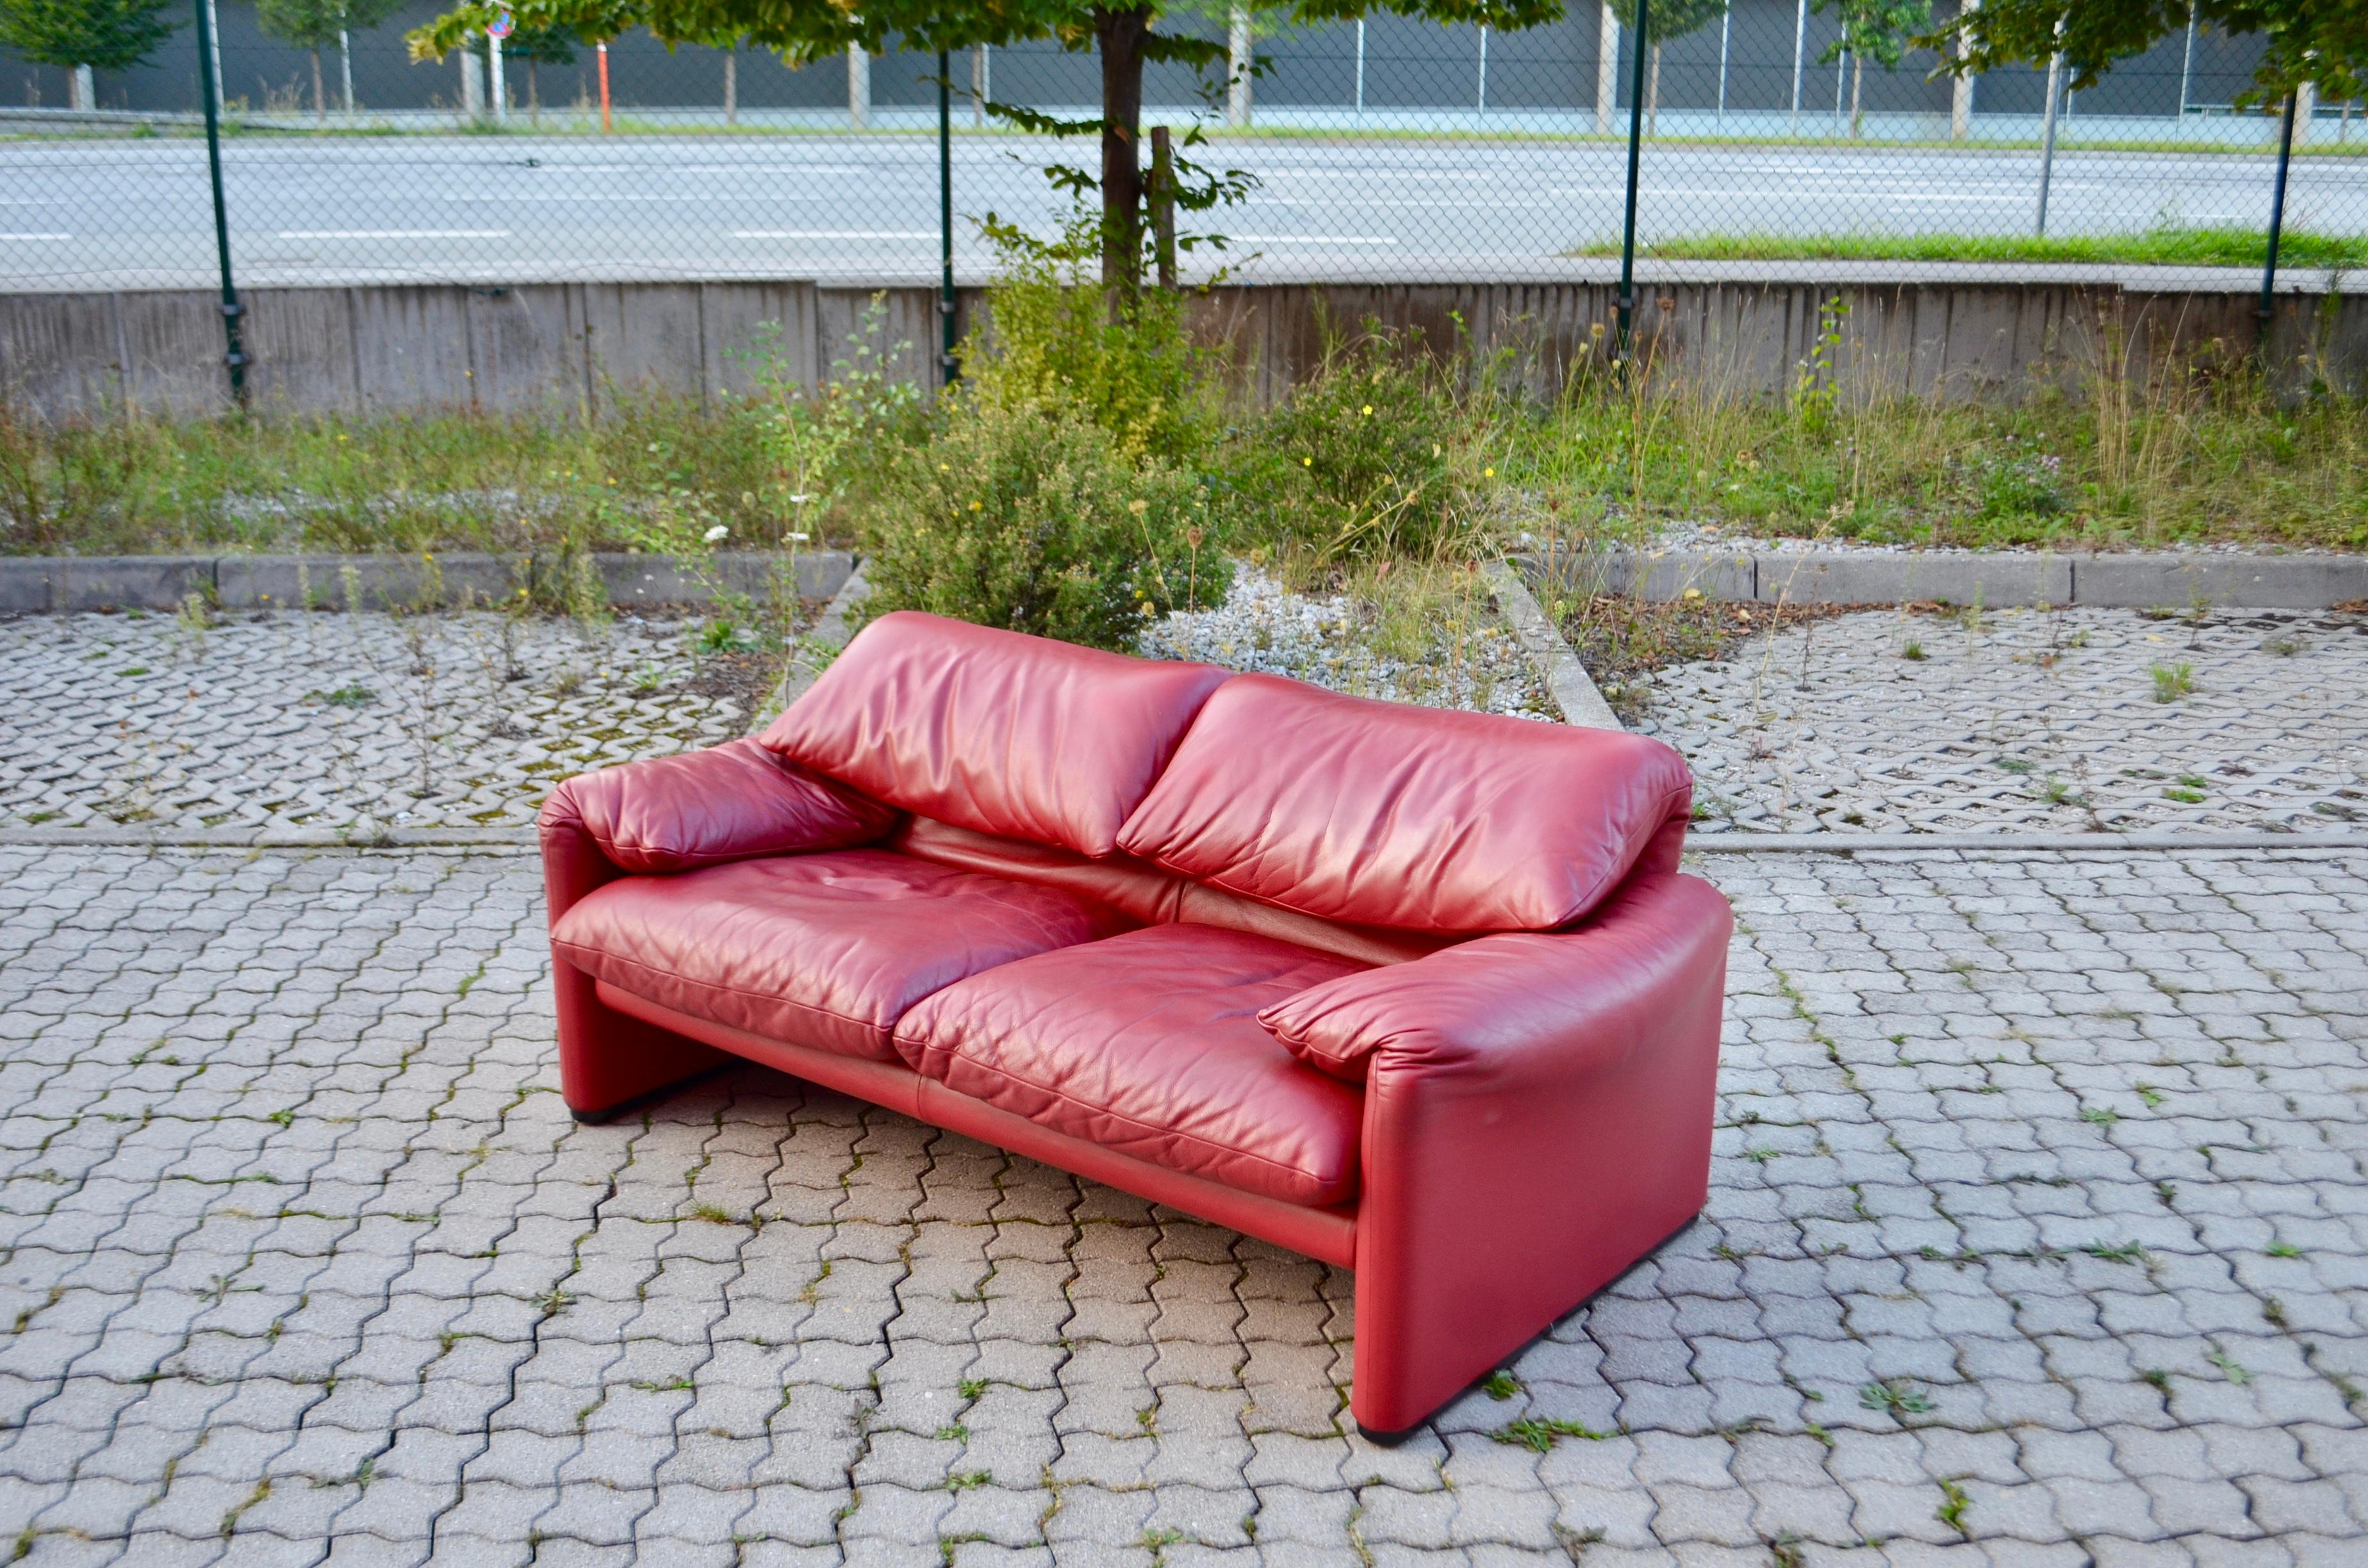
(495, 87)
(2277, 230)
(213, 51)
(1482, 106)
(1361, 65)
(949, 371)
(1800, 42)
(1622, 344)
(2187, 68)
(2047, 136)
(1239, 63)
(1725, 21)
(234, 355)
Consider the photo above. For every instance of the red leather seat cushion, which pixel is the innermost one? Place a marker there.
(991, 730)
(1149, 1043)
(827, 951)
(1387, 815)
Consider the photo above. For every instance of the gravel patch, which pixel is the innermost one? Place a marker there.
(1265, 627)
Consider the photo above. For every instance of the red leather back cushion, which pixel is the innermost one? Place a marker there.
(1413, 817)
(993, 730)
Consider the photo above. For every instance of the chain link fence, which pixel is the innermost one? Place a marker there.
(1391, 149)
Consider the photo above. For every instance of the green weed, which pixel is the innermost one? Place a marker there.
(1897, 1396)
(1540, 1433)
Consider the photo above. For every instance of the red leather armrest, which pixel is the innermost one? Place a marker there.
(1518, 1008)
(1538, 1113)
(730, 802)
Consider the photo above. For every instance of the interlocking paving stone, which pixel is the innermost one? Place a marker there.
(2035, 1235)
(2027, 719)
(333, 721)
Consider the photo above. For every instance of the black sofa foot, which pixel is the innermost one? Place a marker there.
(1385, 1439)
(644, 1101)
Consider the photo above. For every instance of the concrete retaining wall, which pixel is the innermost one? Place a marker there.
(2003, 578)
(60, 585)
(569, 347)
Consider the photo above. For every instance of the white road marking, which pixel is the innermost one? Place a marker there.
(394, 234)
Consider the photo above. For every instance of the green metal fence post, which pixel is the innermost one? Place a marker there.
(2277, 229)
(949, 371)
(234, 355)
(1623, 344)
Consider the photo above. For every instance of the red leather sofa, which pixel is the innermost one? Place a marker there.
(1420, 993)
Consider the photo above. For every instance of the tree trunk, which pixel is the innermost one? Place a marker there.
(79, 92)
(533, 91)
(1857, 80)
(320, 91)
(731, 89)
(1652, 96)
(1121, 35)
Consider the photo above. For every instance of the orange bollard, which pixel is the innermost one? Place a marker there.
(603, 50)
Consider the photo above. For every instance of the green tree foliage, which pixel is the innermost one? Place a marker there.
(106, 35)
(1125, 36)
(1879, 31)
(2325, 41)
(1667, 20)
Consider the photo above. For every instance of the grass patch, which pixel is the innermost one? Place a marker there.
(397, 482)
(2208, 459)
(2153, 247)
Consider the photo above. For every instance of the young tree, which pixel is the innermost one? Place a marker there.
(2321, 42)
(1883, 29)
(316, 24)
(1665, 21)
(538, 47)
(1126, 37)
(84, 36)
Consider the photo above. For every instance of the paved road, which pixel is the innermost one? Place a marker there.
(110, 214)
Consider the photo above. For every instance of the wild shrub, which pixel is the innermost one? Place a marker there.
(1036, 518)
(1362, 461)
(1052, 339)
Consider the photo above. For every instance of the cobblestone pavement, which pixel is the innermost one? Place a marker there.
(350, 722)
(2066, 720)
(296, 721)
(2045, 720)
(2036, 1236)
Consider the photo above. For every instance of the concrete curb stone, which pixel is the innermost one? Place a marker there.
(1566, 680)
(72, 584)
(2138, 580)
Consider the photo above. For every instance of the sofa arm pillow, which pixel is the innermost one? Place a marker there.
(730, 802)
(1019, 736)
(1548, 1005)
(1381, 814)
